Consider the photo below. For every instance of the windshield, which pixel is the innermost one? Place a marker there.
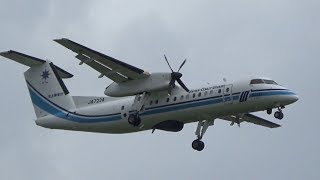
(270, 82)
(262, 81)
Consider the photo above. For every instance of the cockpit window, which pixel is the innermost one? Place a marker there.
(270, 82)
(262, 81)
(256, 81)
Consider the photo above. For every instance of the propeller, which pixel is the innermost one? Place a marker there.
(176, 76)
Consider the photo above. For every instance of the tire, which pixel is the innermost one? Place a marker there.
(277, 114)
(134, 120)
(198, 145)
(280, 116)
(269, 111)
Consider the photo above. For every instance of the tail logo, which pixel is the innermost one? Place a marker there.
(45, 75)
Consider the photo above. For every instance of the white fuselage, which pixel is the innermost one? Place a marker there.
(109, 115)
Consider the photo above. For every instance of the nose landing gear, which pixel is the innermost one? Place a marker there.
(278, 114)
(269, 111)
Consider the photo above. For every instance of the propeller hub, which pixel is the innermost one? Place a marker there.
(176, 75)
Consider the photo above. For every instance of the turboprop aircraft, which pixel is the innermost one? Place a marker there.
(139, 101)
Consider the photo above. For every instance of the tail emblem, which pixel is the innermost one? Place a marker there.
(45, 75)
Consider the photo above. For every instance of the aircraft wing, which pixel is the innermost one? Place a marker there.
(252, 119)
(112, 68)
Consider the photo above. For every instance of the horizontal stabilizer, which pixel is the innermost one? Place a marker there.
(32, 61)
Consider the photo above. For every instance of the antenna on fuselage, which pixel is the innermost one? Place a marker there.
(224, 80)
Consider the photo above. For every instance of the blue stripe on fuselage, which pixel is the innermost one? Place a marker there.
(271, 93)
(50, 108)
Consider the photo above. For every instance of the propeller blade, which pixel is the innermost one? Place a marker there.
(172, 83)
(171, 86)
(182, 85)
(167, 62)
(182, 64)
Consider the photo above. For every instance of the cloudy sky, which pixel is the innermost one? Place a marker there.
(220, 38)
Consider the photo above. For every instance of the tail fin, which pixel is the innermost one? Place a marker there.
(44, 84)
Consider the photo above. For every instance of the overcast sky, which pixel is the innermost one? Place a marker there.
(220, 38)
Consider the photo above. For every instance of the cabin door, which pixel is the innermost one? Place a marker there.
(227, 94)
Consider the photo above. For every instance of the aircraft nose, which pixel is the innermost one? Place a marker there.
(293, 98)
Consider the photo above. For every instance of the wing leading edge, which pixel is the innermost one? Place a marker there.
(252, 119)
(110, 67)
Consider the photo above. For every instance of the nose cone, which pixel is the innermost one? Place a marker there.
(295, 98)
(41, 122)
(292, 98)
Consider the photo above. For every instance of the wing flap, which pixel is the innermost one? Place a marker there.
(103, 70)
(108, 66)
(252, 119)
(32, 61)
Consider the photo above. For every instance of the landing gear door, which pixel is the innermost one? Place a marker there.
(227, 94)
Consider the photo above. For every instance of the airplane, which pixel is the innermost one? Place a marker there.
(137, 100)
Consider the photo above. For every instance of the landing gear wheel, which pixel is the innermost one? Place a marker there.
(269, 111)
(198, 145)
(134, 120)
(278, 115)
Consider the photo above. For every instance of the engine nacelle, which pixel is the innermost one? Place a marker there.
(155, 82)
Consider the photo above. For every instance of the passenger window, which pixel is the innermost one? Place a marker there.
(205, 93)
(122, 107)
(194, 95)
(151, 102)
(175, 98)
(219, 91)
(157, 101)
(211, 92)
(168, 99)
(181, 98)
(199, 94)
(227, 90)
(187, 96)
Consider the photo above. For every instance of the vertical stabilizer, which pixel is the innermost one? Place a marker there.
(47, 89)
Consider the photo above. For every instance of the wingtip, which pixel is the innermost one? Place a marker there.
(57, 40)
(276, 125)
(61, 40)
(3, 53)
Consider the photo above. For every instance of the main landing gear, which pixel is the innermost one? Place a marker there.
(201, 129)
(138, 105)
(278, 114)
(134, 119)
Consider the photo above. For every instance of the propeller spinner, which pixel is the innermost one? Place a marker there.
(176, 76)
